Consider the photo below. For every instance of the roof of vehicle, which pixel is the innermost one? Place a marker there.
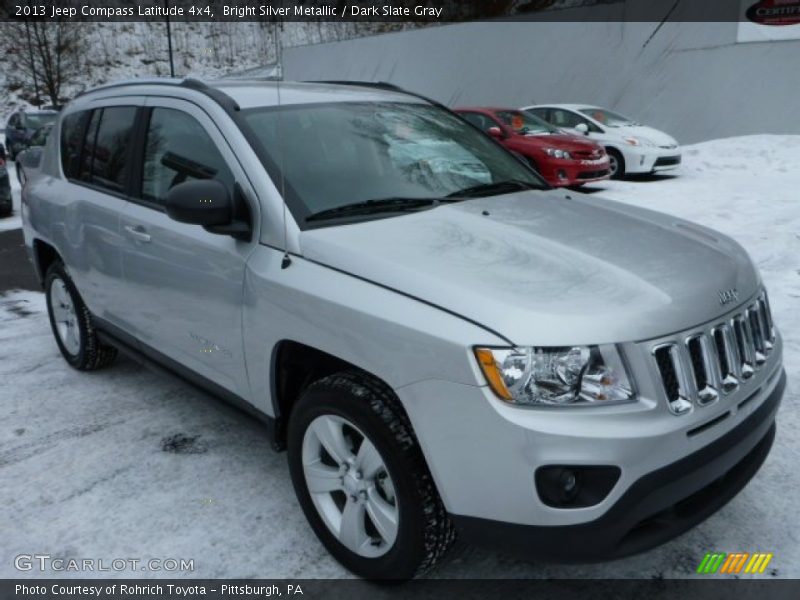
(251, 93)
(492, 109)
(39, 111)
(562, 105)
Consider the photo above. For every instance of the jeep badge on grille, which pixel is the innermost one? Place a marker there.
(728, 296)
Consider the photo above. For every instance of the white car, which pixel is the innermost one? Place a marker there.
(631, 146)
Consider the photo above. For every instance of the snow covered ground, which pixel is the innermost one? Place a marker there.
(127, 464)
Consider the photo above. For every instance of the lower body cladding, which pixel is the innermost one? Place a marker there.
(501, 478)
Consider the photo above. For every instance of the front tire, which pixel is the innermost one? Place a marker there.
(362, 481)
(72, 324)
(617, 163)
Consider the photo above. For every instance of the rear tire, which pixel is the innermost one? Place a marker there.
(617, 166)
(72, 325)
(372, 446)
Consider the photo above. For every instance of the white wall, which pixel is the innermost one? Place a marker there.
(690, 79)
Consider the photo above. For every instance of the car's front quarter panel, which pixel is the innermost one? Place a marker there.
(394, 337)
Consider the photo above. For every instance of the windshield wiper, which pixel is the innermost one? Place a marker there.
(494, 189)
(368, 207)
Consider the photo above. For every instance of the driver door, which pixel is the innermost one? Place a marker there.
(184, 284)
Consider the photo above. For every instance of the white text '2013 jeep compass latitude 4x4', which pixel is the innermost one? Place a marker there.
(442, 343)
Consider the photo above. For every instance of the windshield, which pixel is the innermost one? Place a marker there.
(606, 117)
(36, 120)
(346, 153)
(525, 123)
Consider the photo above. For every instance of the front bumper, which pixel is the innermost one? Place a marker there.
(645, 159)
(656, 508)
(560, 173)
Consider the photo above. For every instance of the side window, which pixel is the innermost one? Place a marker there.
(480, 120)
(542, 113)
(564, 118)
(72, 129)
(87, 153)
(178, 149)
(110, 162)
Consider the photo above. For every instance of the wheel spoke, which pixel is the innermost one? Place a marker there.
(73, 342)
(383, 515)
(368, 460)
(352, 532)
(329, 433)
(322, 478)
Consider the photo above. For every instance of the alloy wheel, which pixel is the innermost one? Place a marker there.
(64, 316)
(350, 486)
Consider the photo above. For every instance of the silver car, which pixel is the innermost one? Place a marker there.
(440, 349)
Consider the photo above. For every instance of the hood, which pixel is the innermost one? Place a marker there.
(561, 141)
(659, 138)
(541, 269)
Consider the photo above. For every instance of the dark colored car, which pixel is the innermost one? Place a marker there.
(31, 157)
(5, 186)
(22, 125)
(562, 159)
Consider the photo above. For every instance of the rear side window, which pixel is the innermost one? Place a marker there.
(178, 149)
(85, 171)
(109, 160)
(72, 129)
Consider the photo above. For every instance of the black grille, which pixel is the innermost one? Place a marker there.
(721, 358)
(667, 161)
(593, 174)
(698, 362)
(669, 375)
(719, 343)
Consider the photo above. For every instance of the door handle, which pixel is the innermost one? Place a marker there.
(138, 233)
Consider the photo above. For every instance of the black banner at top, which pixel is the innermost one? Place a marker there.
(770, 12)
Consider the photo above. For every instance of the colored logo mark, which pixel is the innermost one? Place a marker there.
(734, 563)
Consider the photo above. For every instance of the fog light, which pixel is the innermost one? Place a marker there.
(568, 481)
(562, 174)
(641, 160)
(571, 486)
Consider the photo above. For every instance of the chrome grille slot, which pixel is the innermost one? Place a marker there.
(703, 367)
(745, 346)
(766, 321)
(673, 375)
(727, 358)
(754, 319)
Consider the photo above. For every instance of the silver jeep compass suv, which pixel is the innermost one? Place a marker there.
(442, 343)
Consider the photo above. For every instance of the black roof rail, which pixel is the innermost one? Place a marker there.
(381, 85)
(220, 97)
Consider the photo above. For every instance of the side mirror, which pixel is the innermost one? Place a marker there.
(496, 133)
(31, 158)
(582, 128)
(203, 202)
(207, 202)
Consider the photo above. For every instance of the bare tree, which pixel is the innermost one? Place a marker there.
(52, 56)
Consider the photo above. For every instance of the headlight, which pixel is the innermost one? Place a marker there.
(639, 141)
(557, 153)
(581, 375)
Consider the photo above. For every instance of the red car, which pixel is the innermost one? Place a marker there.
(562, 159)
